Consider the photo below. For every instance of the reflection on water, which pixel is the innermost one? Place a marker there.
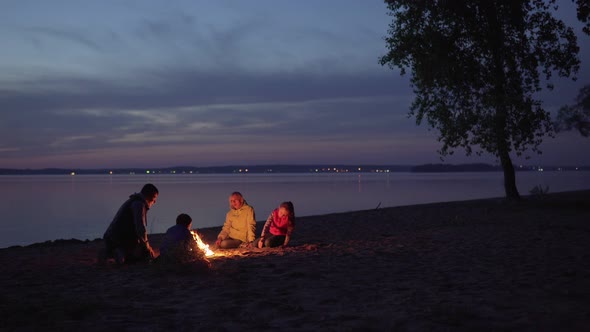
(39, 208)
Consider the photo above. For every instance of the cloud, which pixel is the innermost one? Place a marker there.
(45, 37)
(187, 108)
(214, 82)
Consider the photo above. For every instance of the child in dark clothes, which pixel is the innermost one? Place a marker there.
(179, 245)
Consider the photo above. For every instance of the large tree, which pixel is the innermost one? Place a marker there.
(476, 66)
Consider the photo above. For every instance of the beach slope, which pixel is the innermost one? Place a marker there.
(482, 265)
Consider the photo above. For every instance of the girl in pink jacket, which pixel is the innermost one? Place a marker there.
(278, 227)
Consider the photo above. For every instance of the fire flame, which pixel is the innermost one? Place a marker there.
(205, 247)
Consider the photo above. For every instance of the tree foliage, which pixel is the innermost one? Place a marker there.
(583, 12)
(475, 67)
(577, 116)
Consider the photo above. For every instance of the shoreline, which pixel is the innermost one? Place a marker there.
(485, 264)
(290, 168)
(71, 215)
(259, 224)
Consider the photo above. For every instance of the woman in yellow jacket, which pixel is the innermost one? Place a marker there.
(240, 224)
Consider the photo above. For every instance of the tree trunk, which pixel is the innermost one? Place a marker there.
(509, 176)
(504, 154)
(502, 143)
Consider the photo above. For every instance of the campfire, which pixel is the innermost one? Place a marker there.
(204, 247)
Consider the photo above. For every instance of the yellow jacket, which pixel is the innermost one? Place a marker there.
(239, 224)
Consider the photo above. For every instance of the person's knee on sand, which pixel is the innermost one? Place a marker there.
(229, 243)
(272, 241)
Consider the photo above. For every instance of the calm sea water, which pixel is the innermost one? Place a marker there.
(40, 208)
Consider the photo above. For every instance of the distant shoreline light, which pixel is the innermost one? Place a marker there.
(277, 169)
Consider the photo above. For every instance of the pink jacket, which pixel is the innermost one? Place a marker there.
(278, 225)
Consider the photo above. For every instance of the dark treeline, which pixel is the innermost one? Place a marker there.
(332, 168)
(479, 167)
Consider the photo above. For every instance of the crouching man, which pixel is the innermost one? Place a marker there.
(126, 238)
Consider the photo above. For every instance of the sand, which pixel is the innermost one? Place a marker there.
(482, 265)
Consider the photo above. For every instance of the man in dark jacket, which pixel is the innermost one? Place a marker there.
(126, 238)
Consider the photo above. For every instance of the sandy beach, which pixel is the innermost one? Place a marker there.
(482, 265)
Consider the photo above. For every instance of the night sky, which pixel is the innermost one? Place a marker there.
(93, 84)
